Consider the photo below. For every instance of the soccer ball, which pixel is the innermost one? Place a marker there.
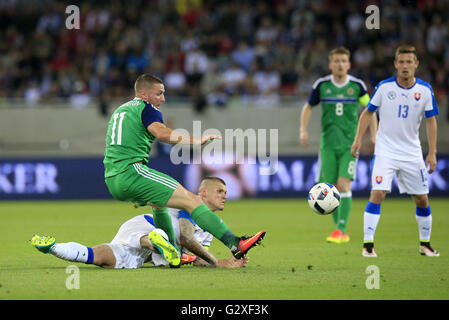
(324, 198)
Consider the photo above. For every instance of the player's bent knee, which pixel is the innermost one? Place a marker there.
(421, 200)
(104, 256)
(377, 196)
(193, 202)
(145, 243)
(344, 185)
(184, 199)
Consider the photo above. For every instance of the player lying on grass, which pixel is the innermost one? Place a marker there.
(139, 241)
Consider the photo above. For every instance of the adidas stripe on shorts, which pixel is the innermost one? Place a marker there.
(140, 184)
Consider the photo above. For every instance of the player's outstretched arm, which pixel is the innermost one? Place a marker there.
(229, 263)
(303, 123)
(206, 258)
(364, 121)
(431, 129)
(168, 135)
(188, 241)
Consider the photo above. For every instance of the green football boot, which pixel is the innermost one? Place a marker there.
(42, 243)
(168, 251)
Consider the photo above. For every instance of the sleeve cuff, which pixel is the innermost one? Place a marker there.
(372, 107)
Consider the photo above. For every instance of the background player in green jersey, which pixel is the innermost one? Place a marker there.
(131, 131)
(340, 95)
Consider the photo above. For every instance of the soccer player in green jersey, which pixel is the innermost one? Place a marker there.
(131, 131)
(340, 95)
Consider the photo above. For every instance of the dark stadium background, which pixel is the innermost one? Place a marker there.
(230, 64)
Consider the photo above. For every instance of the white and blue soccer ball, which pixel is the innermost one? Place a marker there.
(324, 198)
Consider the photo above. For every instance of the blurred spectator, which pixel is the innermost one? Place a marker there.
(137, 59)
(212, 87)
(196, 65)
(189, 41)
(32, 93)
(195, 45)
(436, 34)
(363, 56)
(233, 79)
(61, 61)
(266, 33)
(175, 82)
(243, 55)
(53, 20)
(267, 79)
(80, 98)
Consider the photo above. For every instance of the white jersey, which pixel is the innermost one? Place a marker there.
(202, 236)
(126, 243)
(400, 114)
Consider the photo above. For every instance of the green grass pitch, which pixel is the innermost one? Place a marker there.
(294, 263)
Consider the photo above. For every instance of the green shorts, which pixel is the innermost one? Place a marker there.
(334, 164)
(140, 184)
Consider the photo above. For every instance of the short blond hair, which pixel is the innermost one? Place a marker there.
(405, 49)
(205, 181)
(339, 50)
(144, 81)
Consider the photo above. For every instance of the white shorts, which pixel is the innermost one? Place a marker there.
(126, 243)
(411, 175)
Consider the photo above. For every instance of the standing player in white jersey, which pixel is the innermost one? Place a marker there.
(401, 101)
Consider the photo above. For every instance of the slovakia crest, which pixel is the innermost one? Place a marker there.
(417, 96)
(379, 179)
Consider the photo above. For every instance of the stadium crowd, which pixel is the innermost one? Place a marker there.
(224, 51)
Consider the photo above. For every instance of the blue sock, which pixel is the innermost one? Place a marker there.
(90, 255)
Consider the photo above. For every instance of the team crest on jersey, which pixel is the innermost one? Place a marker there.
(379, 179)
(417, 96)
(350, 91)
(391, 95)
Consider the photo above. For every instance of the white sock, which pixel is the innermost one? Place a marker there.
(424, 219)
(370, 221)
(425, 227)
(72, 251)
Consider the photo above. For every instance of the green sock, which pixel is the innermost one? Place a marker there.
(344, 210)
(162, 220)
(335, 215)
(210, 222)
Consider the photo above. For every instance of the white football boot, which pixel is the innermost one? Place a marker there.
(426, 250)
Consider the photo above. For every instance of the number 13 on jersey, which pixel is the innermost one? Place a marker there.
(403, 111)
(118, 128)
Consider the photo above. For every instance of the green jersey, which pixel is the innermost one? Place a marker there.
(339, 109)
(128, 140)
